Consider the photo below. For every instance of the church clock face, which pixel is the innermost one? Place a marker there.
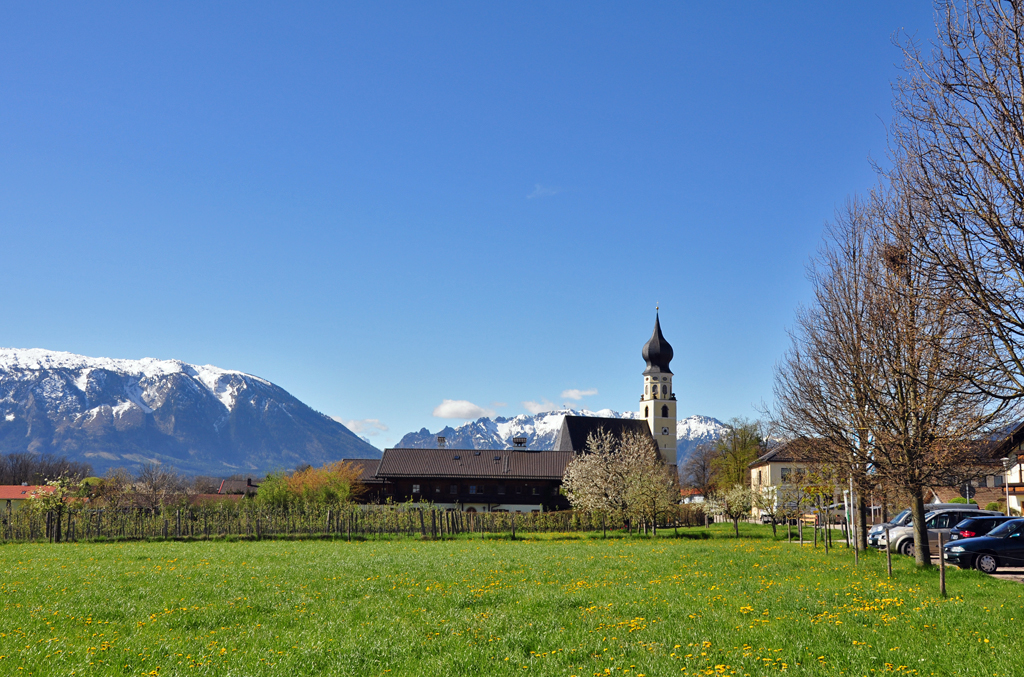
(664, 431)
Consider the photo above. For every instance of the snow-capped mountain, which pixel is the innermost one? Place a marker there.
(694, 431)
(200, 419)
(540, 431)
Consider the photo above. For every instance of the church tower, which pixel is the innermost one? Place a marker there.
(658, 404)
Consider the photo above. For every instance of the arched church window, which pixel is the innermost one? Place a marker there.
(664, 411)
(647, 412)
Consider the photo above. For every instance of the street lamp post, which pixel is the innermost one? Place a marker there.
(1006, 482)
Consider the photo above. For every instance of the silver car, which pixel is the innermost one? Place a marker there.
(937, 522)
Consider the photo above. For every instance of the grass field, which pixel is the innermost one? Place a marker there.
(550, 606)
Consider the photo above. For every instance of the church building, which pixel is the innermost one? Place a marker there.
(657, 415)
(523, 480)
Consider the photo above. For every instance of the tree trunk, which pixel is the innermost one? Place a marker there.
(736, 526)
(862, 522)
(922, 556)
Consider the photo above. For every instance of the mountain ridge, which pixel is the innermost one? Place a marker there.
(540, 431)
(200, 419)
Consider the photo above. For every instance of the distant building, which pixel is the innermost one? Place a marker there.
(14, 496)
(476, 480)
(777, 471)
(244, 487)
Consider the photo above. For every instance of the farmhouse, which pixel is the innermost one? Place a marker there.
(476, 480)
(14, 496)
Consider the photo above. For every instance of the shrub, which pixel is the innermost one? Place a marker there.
(994, 505)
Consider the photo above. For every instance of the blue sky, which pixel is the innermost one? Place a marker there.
(382, 206)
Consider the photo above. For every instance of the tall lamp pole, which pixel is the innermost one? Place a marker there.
(1006, 482)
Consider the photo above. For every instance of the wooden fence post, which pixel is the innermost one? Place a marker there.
(942, 569)
(888, 552)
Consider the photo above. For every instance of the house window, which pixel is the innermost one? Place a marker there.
(415, 488)
(519, 490)
(664, 411)
(501, 489)
(454, 489)
(472, 488)
(758, 476)
(536, 491)
(437, 489)
(785, 474)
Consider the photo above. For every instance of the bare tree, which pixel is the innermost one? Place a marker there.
(698, 470)
(157, 486)
(959, 151)
(825, 380)
(883, 368)
(38, 468)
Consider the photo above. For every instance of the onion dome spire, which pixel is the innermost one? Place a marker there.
(657, 351)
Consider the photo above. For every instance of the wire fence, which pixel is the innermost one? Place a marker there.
(350, 522)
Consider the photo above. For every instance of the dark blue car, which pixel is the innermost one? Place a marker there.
(1001, 547)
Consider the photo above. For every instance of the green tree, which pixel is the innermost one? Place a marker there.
(738, 447)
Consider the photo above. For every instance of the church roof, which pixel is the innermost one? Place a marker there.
(575, 429)
(657, 351)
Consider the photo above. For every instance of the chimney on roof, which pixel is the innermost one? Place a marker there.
(248, 481)
(442, 443)
(518, 442)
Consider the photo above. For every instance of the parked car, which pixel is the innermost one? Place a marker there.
(936, 521)
(976, 526)
(1001, 547)
(903, 519)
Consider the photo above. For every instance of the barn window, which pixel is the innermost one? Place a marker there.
(454, 489)
(415, 488)
(501, 489)
(664, 411)
(472, 488)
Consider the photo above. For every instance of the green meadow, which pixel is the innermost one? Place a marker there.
(697, 603)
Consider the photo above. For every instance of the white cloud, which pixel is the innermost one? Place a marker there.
(461, 409)
(369, 426)
(540, 407)
(543, 191)
(577, 394)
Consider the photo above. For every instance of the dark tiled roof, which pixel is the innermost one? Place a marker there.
(367, 468)
(504, 463)
(246, 486)
(800, 450)
(575, 430)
